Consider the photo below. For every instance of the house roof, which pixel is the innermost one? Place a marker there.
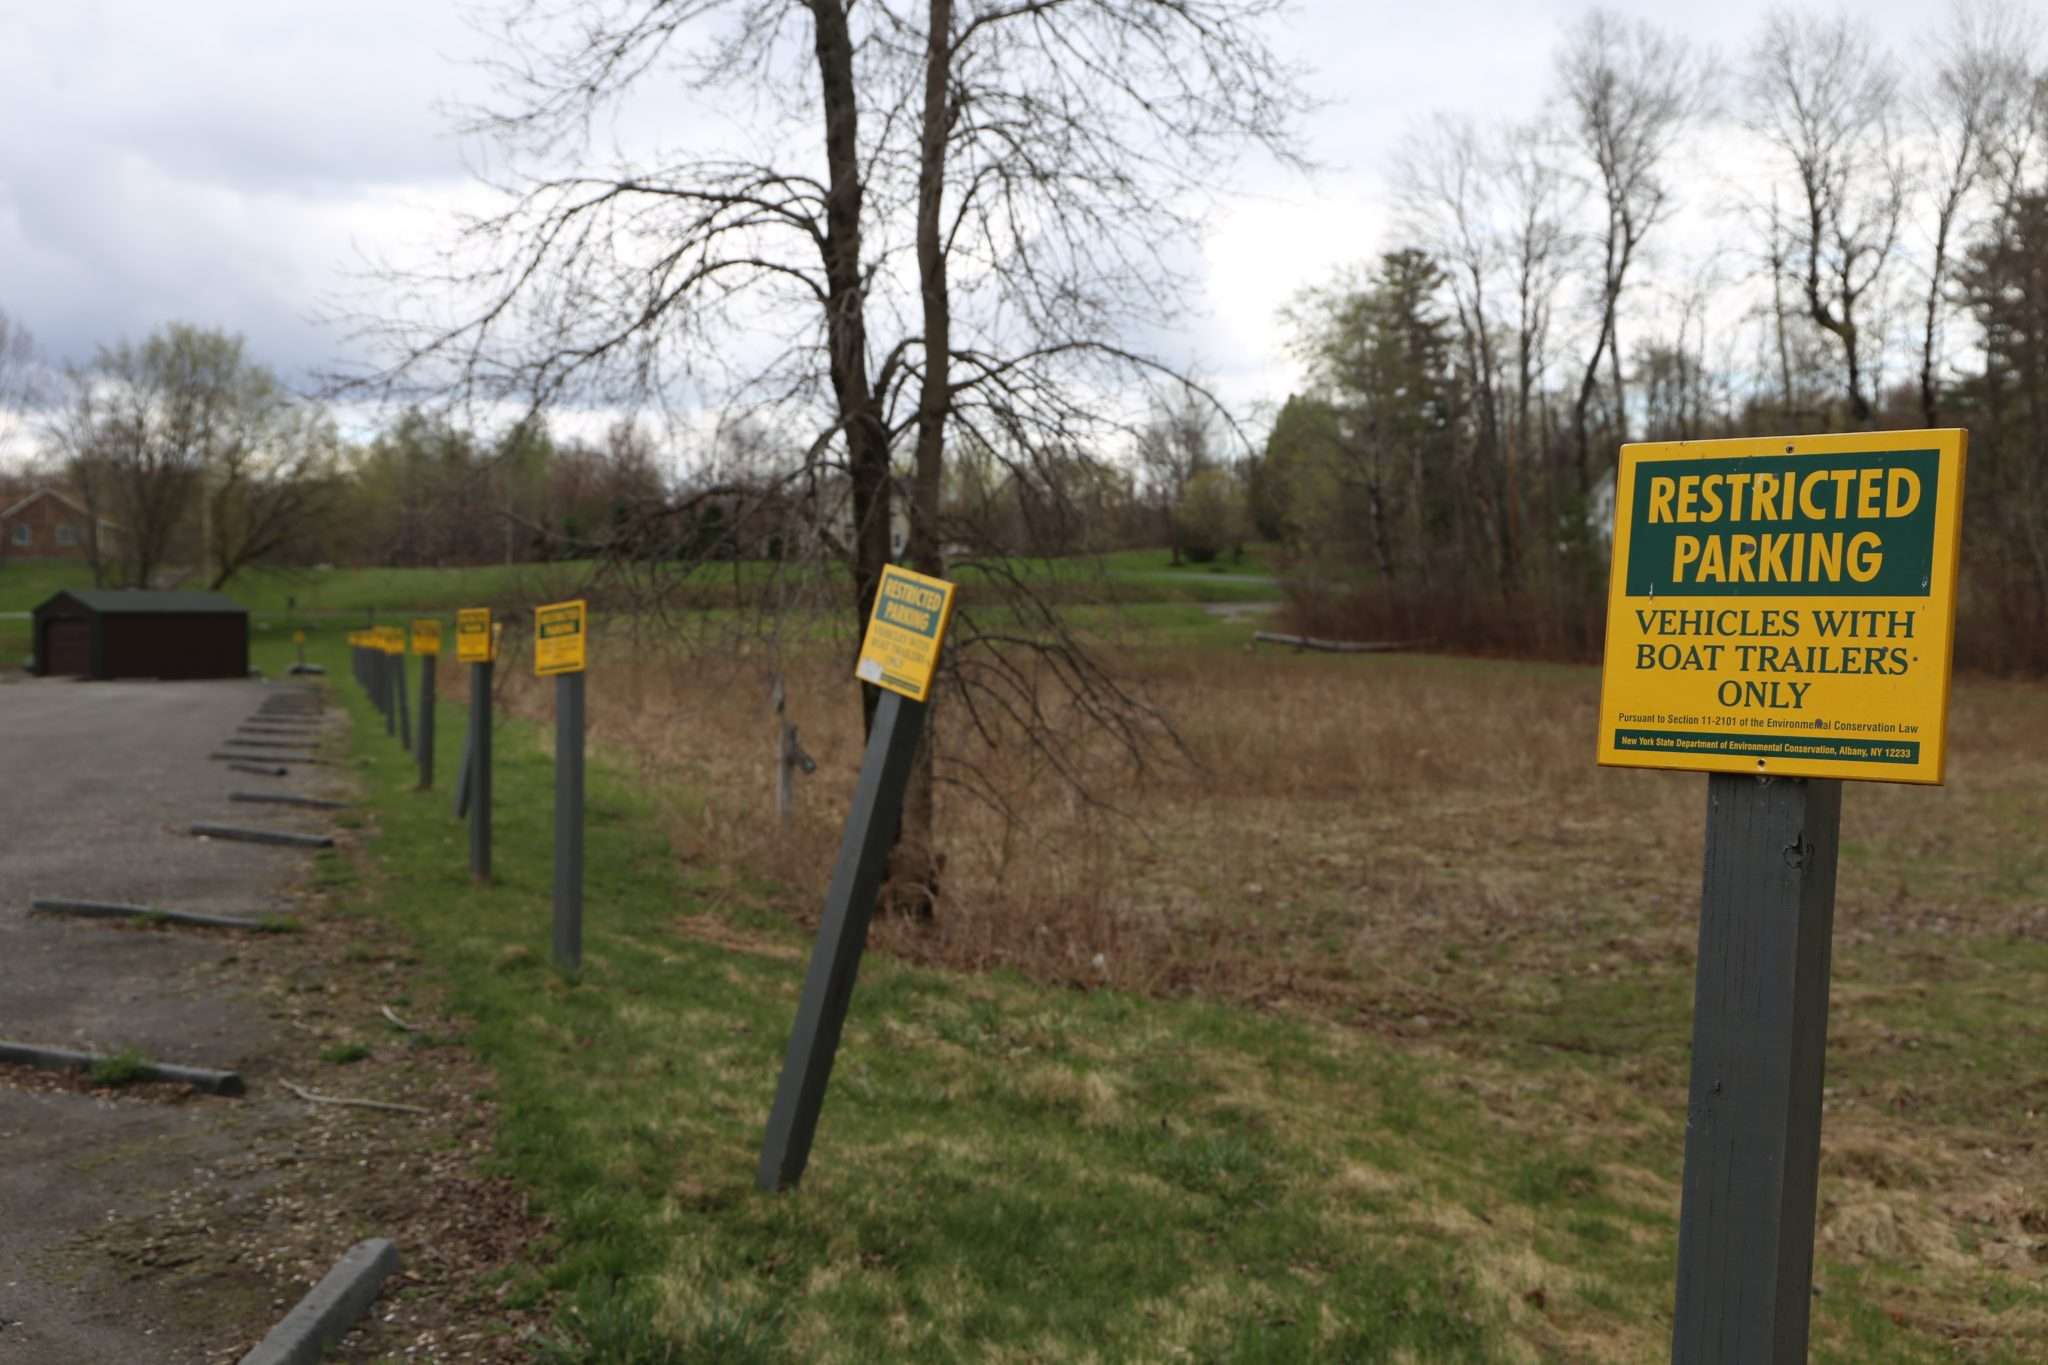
(43, 493)
(137, 601)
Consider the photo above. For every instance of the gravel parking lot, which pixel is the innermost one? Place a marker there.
(98, 785)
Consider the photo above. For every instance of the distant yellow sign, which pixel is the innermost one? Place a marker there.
(426, 636)
(298, 637)
(560, 633)
(391, 639)
(473, 636)
(1784, 606)
(906, 630)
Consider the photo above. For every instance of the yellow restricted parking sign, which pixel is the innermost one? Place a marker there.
(905, 632)
(560, 634)
(1784, 606)
(473, 635)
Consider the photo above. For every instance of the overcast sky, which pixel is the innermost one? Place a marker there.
(229, 162)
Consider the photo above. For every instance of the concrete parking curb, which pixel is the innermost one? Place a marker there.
(286, 799)
(258, 769)
(301, 759)
(115, 910)
(65, 1059)
(326, 1314)
(205, 830)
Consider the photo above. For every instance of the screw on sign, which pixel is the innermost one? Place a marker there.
(1780, 616)
(900, 653)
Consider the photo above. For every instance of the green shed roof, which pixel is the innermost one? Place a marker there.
(135, 601)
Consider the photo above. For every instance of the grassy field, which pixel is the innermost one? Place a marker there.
(1353, 1027)
(1098, 588)
(1124, 576)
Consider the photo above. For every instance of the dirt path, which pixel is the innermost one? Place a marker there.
(152, 1224)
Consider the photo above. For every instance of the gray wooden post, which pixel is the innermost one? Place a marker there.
(398, 690)
(384, 692)
(480, 775)
(465, 773)
(569, 821)
(842, 934)
(1760, 1017)
(426, 735)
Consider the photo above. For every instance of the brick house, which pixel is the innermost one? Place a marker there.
(46, 525)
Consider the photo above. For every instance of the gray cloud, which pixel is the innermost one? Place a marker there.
(222, 161)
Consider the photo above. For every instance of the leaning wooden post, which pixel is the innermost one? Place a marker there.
(474, 641)
(906, 631)
(426, 642)
(1780, 616)
(560, 651)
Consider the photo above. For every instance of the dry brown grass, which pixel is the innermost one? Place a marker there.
(1335, 829)
(1423, 847)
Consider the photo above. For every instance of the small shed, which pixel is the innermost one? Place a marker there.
(137, 634)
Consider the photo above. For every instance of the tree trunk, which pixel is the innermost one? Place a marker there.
(1930, 396)
(846, 337)
(914, 863)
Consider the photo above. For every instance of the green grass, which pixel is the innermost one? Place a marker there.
(121, 1068)
(1124, 576)
(1050, 1174)
(1012, 1171)
(1130, 592)
(24, 583)
(345, 1054)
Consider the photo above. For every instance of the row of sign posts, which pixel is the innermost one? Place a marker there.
(1780, 616)
(561, 639)
(899, 655)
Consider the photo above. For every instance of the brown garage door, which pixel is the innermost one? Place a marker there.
(68, 645)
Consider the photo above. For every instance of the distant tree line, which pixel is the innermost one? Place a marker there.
(197, 462)
(1877, 258)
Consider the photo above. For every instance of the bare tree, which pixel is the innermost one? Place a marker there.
(20, 376)
(269, 480)
(1825, 100)
(1173, 450)
(1538, 199)
(947, 217)
(1982, 80)
(1445, 181)
(185, 426)
(1491, 208)
(1631, 92)
(133, 451)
